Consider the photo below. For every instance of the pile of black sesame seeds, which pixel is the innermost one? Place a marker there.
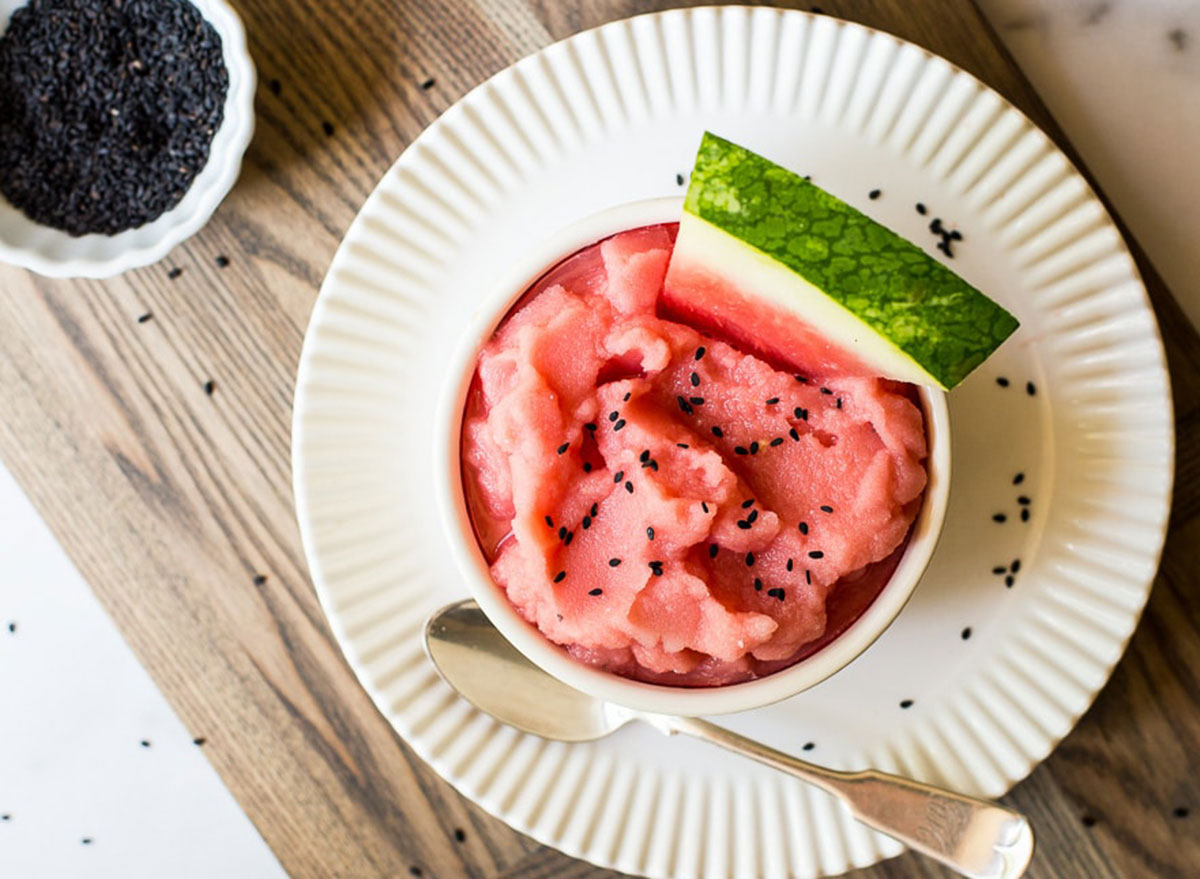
(109, 108)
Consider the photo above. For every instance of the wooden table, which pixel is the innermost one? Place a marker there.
(175, 501)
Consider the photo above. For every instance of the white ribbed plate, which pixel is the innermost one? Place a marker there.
(612, 115)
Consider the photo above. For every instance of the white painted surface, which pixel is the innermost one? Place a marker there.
(74, 704)
(75, 707)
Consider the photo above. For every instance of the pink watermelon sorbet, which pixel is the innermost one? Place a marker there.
(666, 506)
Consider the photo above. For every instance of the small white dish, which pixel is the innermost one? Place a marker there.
(494, 306)
(56, 254)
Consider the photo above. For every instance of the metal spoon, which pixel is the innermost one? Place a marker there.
(979, 839)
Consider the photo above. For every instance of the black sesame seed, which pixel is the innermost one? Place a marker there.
(12, 628)
(1180, 811)
(199, 741)
(596, 591)
(649, 533)
(700, 352)
(803, 526)
(825, 508)
(772, 401)
(145, 743)
(174, 273)
(808, 576)
(712, 550)
(460, 834)
(754, 448)
(629, 487)
(562, 532)
(906, 703)
(587, 467)
(921, 208)
(562, 450)
(275, 86)
(87, 840)
(586, 523)
(827, 392)
(1009, 580)
(1002, 381)
(790, 564)
(955, 235)
(618, 425)
(757, 584)
(644, 456)
(679, 180)
(749, 560)
(752, 517)
(794, 434)
(1088, 821)
(743, 524)
(1015, 566)
(1024, 500)
(427, 85)
(816, 554)
(327, 127)
(612, 563)
(1018, 479)
(717, 432)
(145, 317)
(778, 441)
(260, 579)
(1025, 514)
(874, 194)
(560, 576)
(1030, 388)
(935, 226)
(618, 476)
(999, 570)
(740, 450)
(999, 517)
(209, 387)
(694, 378)
(614, 415)
(415, 871)
(696, 401)
(966, 633)
(222, 262)
(808, 746)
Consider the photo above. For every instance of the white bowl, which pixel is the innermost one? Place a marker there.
(553, 659)
(55, 253)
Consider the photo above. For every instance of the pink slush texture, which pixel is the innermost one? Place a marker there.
(586, 337)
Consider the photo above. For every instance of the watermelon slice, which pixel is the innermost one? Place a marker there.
(779, 264)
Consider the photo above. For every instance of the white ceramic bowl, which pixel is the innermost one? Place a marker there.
(55, 253)
(553, 659)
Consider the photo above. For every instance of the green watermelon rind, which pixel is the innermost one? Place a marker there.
(915, 303)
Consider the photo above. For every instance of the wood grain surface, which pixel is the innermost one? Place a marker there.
(176, 503)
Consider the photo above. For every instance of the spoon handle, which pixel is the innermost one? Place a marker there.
(979, 839)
